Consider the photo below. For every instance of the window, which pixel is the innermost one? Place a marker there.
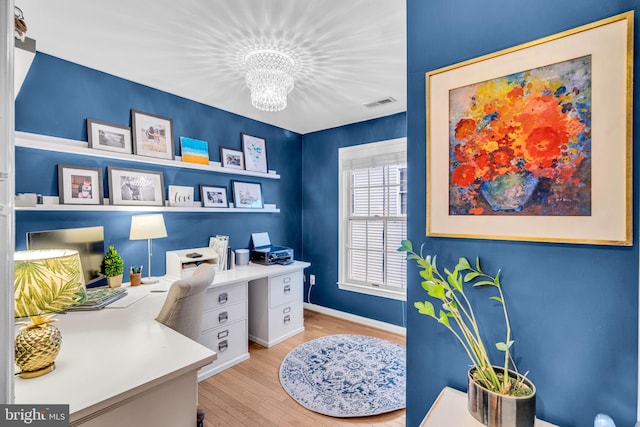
(373, 218)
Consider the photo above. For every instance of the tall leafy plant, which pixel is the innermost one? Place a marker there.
(457, 314)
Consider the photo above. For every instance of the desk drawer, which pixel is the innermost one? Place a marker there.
(285, 288)
(229, 341)
(225, 295)
(285, 319)
(224, 315)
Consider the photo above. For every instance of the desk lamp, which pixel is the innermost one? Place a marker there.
(45, 281)
(148, 227)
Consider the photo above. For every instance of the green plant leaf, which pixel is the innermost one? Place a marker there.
(496, 280)
(497, 298)
(444, 319)
(463, 264)
(470, 276)
(435, 290)
(504, 347)
(425, 308)
(484, 283)
(406, 246)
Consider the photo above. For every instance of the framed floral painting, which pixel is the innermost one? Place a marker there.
(534, 142)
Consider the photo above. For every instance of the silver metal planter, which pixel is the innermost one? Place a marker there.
(497, 410)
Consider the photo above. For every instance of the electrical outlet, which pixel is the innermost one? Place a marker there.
(312, 279)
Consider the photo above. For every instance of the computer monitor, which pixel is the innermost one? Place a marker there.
(88, 241)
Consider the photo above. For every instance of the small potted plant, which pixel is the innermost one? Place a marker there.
(497, 395)
(113, 267)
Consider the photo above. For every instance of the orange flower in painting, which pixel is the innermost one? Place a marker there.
(464, 175)
(544, 144)
(465, 128)
(502, 157)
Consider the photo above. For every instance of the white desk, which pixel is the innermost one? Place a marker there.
(250, 303)
(119, 367)
(450, 409)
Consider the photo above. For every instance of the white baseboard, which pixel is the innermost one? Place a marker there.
(357, 319)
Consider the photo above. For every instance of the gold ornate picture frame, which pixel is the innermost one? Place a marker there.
(534, 142)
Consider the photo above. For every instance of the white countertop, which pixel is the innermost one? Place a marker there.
(255, 271)
(111, 354)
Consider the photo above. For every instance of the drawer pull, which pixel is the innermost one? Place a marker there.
(287, 319)
(286, 279)
(223, 345)
(287, 289)
(223, 298)
(223, 334)
(286, 310)
(223, 317)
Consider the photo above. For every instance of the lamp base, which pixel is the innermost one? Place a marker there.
(149, 280)
(38, 372)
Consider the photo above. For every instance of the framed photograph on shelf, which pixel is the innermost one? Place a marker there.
(152, 135)
(135, 187)
(79, 185)
(255, 153)
(109, 136)
(213, 197)
(247, 195)
(180, 196)
(230, 158)
(194, 151)
(534, 142)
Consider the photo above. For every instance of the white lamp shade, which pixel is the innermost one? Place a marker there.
(147, 227)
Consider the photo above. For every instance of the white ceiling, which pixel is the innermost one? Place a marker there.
(353, 52)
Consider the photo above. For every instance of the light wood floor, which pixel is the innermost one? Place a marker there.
(249, 394)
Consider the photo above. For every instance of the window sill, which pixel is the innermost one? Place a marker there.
(370, 290)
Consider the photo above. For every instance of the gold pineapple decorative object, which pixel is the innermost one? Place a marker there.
(37, 346)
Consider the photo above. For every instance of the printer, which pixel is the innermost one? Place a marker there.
(265, 253)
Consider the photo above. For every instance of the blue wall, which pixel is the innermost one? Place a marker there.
(56, 99)
(320, 215)
(574, 308)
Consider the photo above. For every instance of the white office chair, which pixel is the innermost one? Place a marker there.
(182, 309)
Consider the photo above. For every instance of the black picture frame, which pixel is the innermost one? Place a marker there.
(254, 149)
(213, 196)
(109, 136)
(80, 185)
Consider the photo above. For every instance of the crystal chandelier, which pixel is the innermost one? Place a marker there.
(269, 76)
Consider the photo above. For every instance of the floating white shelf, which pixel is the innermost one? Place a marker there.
(120, 208)
(71, 146)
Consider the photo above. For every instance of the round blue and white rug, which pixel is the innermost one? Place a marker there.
(346, 375)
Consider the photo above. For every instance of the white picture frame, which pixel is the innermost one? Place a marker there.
(247, 195)
(109, 137)
(135, 187)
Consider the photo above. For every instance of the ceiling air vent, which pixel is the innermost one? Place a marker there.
(380, 102)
